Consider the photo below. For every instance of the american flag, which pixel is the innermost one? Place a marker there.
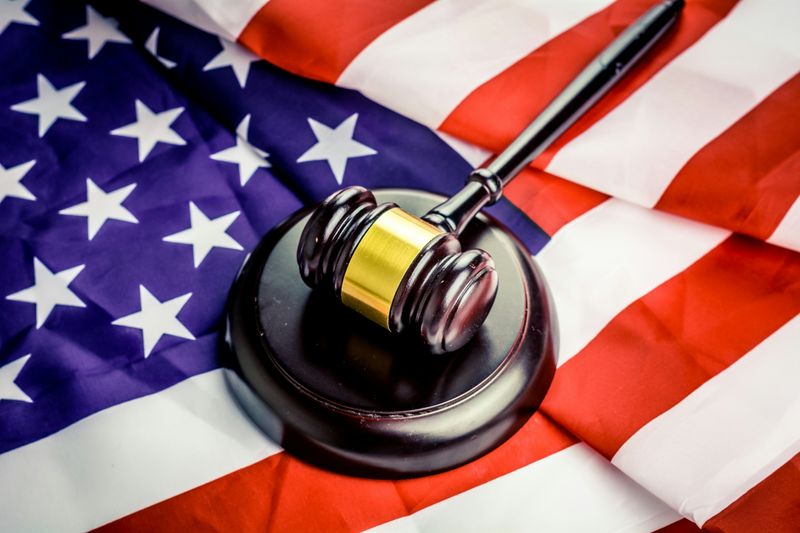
(143, 153)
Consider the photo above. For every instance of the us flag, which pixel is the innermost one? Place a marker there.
(145, 149)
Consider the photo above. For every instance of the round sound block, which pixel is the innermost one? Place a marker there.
(339, 391)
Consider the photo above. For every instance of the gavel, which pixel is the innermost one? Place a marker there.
(409, 274)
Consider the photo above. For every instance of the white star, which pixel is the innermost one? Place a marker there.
(98, 30)
(8, 375)
(335, 145)
(11, 11)
(49, 290)
(52, 103)
(156, 319)
(151, 128)
(205, 233)
(10, 181)
(101, 206)
(234, 56)
(248, 157)
(152, 46)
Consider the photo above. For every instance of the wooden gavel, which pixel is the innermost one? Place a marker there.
(409, 274)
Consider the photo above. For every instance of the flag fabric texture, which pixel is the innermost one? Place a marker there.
(144, 150)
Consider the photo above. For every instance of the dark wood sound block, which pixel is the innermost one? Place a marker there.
(339, 391)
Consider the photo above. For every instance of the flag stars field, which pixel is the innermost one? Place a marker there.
(98, 31)
(49, 290)
(156, 319)
(52, 104)
(205, 233)
(150, 128)
(335, 145)
(235, 56)
(101, 206)
(248, 157)
(9, 373)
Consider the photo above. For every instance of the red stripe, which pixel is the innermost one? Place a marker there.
(669, 342)
(748, 177)
(319, 38)
(773, 505)
(550, 201)
(494, 113)
(283, 494)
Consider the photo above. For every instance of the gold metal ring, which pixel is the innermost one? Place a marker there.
(381, 260)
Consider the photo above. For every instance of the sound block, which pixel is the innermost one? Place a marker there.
(340, 392)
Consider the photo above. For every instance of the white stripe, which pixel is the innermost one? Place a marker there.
(472, 154)
(220, 17)
(787, 234)
(424, 66)
(572, 490)
(637, 149)
(128, 457)
(726, 436)
(607, 258)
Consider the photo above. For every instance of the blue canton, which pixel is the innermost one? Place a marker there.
(139, 163)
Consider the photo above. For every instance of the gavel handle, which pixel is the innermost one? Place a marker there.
(485, 185)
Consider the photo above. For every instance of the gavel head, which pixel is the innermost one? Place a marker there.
(396, 269)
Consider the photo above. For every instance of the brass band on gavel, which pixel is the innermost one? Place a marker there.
(381, 261)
